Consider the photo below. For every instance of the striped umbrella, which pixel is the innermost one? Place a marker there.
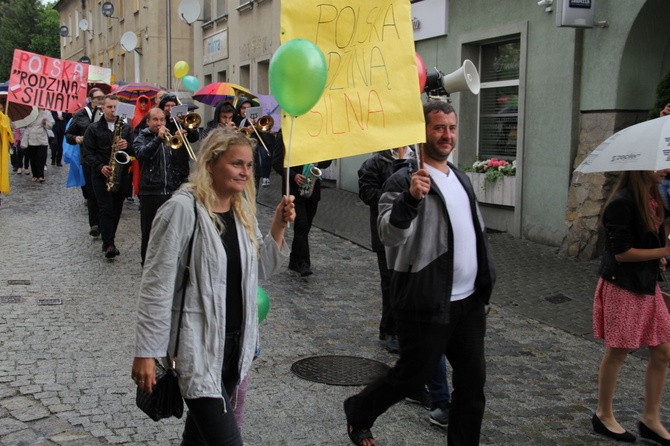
(213, 93)
(130, 92)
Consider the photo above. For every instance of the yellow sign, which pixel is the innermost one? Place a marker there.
(372, 100)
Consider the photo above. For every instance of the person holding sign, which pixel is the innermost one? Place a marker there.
(36, 140)
(442, 277)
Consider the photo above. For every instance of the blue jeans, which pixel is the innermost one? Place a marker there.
(438, 386)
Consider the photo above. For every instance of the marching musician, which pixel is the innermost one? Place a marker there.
(223, 117)
(305, 206)
(168, 101)
(164, 170)
(98, 139)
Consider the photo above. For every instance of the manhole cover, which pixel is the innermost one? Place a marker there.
(339, 370)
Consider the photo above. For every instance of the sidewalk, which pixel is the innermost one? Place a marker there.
(65, 368)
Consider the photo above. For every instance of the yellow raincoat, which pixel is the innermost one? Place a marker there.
(6, 138)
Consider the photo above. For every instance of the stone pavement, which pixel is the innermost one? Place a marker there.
(67, 335)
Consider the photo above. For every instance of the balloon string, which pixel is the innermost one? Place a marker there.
(288, 160)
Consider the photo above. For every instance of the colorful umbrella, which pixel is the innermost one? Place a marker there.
(213, 93)
(130, 92)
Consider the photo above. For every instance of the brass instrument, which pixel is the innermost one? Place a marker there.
(119, 160)
(191, 120)
(312, 176)
(265, 123)
(247, 131)
(173, 141)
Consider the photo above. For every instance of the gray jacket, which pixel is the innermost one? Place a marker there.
(203, 327)
(36, 132)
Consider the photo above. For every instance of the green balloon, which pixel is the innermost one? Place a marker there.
(298, 75)
(263, 304)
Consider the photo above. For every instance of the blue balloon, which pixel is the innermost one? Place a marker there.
(191, 83)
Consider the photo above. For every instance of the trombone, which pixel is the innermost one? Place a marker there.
(191, 121)
(264, 124)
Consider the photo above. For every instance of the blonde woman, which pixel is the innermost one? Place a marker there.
(219, 329)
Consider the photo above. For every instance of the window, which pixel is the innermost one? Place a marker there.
(222, 76)
(245, 76)
(221, 7)
(207, 10)
(499, 100)
(263, 81)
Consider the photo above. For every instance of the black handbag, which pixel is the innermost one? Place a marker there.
(165, 399)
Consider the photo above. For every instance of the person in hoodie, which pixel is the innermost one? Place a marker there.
(223, 117)
(163, 171)
(137, 123)
(263, 156)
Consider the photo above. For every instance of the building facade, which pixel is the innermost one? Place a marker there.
(549, 92)
(162, 38)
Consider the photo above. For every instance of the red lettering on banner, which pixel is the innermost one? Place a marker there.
(46, 82)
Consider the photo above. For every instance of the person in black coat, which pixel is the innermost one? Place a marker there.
(98, 139)
(305, 207)
(61, 119)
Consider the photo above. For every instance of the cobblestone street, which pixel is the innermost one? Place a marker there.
(67, 319)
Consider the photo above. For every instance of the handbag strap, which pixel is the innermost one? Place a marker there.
(187, 274)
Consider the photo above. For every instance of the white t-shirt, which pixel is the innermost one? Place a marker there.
(465, 239)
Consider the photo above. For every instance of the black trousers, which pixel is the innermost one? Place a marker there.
(211, 421)
(149, 206)
(38, 157)
(89, 195)
(110, 205)
(387, 323)
(305, 210)
(421, 344)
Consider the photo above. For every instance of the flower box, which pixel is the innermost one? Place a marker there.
(501, 192)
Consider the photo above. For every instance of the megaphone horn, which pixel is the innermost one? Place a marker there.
(465, 78)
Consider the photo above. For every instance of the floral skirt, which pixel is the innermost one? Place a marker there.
(629, 320)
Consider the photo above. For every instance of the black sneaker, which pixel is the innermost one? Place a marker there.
(422, 397)
(111, 252)
(304, 270)
(95, 231)
(391, 344)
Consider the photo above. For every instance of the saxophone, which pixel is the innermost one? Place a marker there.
(312, 174)
(119, 160)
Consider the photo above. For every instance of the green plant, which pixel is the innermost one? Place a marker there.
(494, 169)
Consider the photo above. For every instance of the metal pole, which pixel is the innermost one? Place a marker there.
(169, 45)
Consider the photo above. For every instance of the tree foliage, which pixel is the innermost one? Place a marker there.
(662, 96)
(27, 25)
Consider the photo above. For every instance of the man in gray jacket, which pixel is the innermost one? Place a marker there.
(442, 279)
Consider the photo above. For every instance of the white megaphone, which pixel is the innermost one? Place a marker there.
(465, 78)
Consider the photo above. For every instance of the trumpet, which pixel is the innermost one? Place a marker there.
(173, 141)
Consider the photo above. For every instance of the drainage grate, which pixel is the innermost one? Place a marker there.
(10, 299)
(18, 282)
(339, 370)
(557, 299)
(49, 302)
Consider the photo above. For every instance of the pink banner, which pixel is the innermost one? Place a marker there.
(45, 82)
